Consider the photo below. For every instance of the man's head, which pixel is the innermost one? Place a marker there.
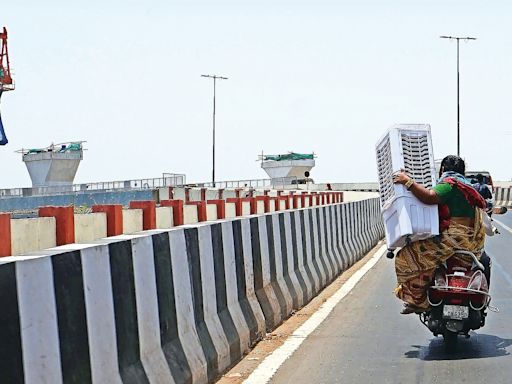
(452, 163)
(480, 178)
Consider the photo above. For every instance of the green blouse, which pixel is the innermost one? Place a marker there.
(454, 199)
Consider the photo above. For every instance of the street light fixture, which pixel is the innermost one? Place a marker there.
(214, 77)
(458, 75)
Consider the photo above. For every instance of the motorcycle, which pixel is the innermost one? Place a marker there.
(458, 297)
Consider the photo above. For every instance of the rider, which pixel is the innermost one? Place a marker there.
(460, 225)
(481, 187)
(485, 192)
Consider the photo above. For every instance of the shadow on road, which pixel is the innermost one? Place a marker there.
(478, 346)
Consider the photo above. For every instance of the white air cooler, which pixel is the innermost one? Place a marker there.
(409, 147)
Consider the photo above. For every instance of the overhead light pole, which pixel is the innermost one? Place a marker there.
(214, 77)
(458, 81)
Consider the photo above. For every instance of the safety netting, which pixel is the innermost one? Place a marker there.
(289, 156)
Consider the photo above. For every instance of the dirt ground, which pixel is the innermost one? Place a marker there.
(275, 339)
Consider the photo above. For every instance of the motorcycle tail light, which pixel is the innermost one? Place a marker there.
(458, 281)
(484, 287)
(440, 278)
(478, 282)
(455, 301)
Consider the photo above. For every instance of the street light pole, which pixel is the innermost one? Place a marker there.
(214, 77)
(458, 82)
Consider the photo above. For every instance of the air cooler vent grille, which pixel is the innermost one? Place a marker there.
(385, 169)
(416, 157)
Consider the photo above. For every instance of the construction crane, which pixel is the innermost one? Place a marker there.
(6, 82)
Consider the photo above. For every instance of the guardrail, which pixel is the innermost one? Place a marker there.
(358, 187)
(277, 183)
(176, 180)
(167, 180)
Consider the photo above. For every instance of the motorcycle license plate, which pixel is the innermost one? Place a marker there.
(457, 312)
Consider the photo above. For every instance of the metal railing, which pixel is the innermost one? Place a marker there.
(364, 187)
(167, 180)
(277, 183)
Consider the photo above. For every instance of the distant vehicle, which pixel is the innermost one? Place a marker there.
(488, 195)
(471, 175)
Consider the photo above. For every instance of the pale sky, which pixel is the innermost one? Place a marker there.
(304, 75)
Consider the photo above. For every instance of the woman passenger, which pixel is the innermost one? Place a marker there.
(460, 226)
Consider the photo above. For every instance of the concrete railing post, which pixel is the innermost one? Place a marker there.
(238, 204)
(177, 210)
(148, 212)
(303, 199)
(275, 199)
(114, 214)
(286, 200)
(201, 209)
(254, 204)
(5, 234)
(64, 222)
(221, 207)
(266, 202)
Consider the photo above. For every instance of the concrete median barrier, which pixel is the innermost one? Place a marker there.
(175, 306)
(503, 196)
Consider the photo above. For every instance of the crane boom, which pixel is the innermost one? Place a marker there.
(6, 81)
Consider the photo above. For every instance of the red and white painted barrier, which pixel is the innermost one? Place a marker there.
(57, 226)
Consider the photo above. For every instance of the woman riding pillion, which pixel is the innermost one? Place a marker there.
(460, 226)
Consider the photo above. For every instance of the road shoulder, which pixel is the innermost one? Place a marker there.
(278, 337)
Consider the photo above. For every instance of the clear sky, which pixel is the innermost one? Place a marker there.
(304, 75)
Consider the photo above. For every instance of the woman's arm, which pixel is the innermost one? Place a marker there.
(426, 196)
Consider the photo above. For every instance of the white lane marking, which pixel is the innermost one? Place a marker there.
(503, 225)
(271, 364)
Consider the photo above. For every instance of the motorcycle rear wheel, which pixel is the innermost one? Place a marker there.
(450, 341)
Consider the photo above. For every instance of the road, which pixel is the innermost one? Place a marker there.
(366, 340)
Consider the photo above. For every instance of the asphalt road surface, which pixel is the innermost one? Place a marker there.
(366, 340)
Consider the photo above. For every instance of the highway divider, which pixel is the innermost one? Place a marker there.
(177, 306)
(503, 196)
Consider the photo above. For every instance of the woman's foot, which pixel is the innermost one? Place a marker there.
(409, 308)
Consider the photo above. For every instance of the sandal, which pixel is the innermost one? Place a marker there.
(409, 308)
